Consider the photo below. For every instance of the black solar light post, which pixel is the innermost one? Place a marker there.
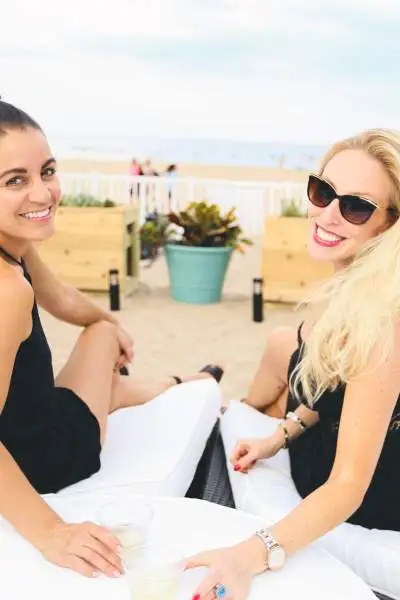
(258, 303)
(113, 289)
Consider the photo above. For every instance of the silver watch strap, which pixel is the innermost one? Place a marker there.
(267, 539)
(261, 536)
(271, 547)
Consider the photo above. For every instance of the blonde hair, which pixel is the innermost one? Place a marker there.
(358, 308)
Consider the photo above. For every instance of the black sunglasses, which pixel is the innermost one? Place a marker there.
(354, 209)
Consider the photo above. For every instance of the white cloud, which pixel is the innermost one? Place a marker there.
(72, 91)
(42, 22)
(108, 97)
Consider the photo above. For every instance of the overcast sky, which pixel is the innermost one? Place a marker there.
(276, 70)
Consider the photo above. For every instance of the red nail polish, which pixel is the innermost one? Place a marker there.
(196, 597)
(235, 468)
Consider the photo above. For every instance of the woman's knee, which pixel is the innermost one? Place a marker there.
(102, 330)
(101, 335)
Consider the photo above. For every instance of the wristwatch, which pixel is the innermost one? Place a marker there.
(276, 555)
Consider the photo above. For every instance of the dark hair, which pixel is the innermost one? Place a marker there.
(12, 117)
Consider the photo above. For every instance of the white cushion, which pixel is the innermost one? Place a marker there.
(190, 526)
(155, 448)
(268, 490)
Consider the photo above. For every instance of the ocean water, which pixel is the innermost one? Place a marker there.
(198, 151)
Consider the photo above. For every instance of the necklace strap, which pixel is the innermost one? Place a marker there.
(11, 257)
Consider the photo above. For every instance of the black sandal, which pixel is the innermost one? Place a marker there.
(213, 370)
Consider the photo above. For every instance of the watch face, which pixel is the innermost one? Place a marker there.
(276, 558)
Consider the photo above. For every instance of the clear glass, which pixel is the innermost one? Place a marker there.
(154, 573)
(129, 519)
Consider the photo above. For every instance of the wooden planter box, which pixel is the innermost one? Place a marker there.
(89, 241)
(287, 269)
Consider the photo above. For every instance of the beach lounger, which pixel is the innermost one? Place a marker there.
(155, 448)
(268, 491)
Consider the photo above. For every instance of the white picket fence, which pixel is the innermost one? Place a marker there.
(254, 200)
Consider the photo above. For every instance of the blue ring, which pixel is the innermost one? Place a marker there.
(220, 591)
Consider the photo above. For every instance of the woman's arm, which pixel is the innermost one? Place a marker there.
(368, 406)
(308, 419)
(247, 452)
(270, 380)
(69, 304)
(19, 503)
(84, 547)
(59, 299)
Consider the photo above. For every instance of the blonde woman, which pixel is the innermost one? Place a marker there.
(341, 417)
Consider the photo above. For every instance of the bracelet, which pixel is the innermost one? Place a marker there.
(296, 419)
(287, 438)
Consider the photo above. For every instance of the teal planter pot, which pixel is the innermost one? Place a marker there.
(197, 275)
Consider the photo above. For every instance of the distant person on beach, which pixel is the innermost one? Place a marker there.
(171, 172)
(52, 428)
(135, 170)
(148, 169)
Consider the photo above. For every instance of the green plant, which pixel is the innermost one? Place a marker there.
(85, 200)
(292, 210)
(203, 224)
(153, 235)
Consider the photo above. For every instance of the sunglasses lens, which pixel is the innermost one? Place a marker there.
(319, 192)
(356, 210)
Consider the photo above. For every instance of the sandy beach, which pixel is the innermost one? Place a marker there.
(174, 338)
(230, 172)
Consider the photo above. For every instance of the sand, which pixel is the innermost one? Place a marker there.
(178, 339)
(175, 338)
(230, 172)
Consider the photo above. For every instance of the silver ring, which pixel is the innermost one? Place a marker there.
(220, 591)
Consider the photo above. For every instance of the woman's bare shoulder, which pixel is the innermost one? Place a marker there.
(16, 299)
(284, 338)
(282, 342)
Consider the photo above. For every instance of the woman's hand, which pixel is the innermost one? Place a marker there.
(247, 452)
(233, 567)
(125, 347)
(85, 548)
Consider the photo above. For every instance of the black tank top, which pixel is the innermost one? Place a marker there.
(32, 381)
(330, 404)
(312, 456)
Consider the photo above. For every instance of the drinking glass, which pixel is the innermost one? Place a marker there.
(154, 572)
(129, 519)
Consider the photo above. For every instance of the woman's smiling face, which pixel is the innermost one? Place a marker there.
(331, 237)
(29, 187)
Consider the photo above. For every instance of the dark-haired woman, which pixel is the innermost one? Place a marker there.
(51, 430)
